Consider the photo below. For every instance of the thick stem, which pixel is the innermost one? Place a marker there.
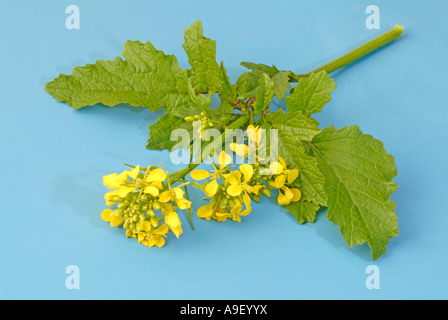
(359, 52)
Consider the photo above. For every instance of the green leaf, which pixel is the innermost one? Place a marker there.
(227, 91)
(248, 81)
(311, 93)
(292, 129)
(265, 92)
(260, 68)
(246, 85)
(160, 132)
(146, 78)
(224, 108)
(358, 181)
(293, 125)
(304, 211)
(198, 103)
(201, 53)
(281, 83)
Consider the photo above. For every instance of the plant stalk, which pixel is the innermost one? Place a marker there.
(359, 52)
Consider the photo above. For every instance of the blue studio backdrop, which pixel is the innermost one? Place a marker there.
(53, 158)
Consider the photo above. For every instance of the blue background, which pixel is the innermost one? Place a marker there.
(53, 158)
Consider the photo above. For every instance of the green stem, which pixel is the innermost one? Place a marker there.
(359, 52)
(189, 209)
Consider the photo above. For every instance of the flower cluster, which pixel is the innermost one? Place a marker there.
(232, 191)
(145, 204)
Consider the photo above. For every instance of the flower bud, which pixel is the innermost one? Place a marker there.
(129, 233)
(151, 213)
(266, 192)
(154, 221)
(121, 205)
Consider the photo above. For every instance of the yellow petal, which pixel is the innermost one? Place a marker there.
(178, 193)
(114, 180)
(204, 212)
(144, 225)
(156, 175)
(134, 172)
(292, 176)
(162, 230)
(151, 190)
(124, 190)
(141, 236)
(148, 243)
(172, 219)
(282, 161)
(282, 199)
(254, 134)
(177, 230)
(200, 174)
(279, 181)
(276, 168)
(237, 209)
(234, 177)
(234, 190)
(297, 194)
(211, 188)
(245, 212)
(183, 203)
(105, 214)
(288, 193)
(224, 159)
(246, 200)
(239, 148)
(115, 221)
(247, 171)
(165, 196)
(108, 196)
(158, 240)
(157, 184)
(256, 188)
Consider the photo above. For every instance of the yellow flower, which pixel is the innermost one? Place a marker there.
(289, 195)
(237, 211)
(150, 236)
(205, 212)
(153, 181)
(212, 187)
(254, 134)
(155, 240)
(283, 177)
(177, 195)
(173, 221)
(109, 216)
(237, 186)
(216, 212)
(279, 168)
(240, 149)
